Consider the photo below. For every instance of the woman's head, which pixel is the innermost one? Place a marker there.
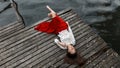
(72, 57)
(71, 49)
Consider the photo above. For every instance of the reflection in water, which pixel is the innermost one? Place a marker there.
(102, 15)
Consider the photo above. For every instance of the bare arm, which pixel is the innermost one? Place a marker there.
(52, 13)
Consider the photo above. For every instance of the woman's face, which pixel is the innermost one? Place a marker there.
(71, 49)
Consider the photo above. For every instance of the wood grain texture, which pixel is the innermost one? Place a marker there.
(27, 48)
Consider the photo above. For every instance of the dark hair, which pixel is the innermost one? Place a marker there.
(74, 59)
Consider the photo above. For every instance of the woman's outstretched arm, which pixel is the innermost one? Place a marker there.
(52, 13)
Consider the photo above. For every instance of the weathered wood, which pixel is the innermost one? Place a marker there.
(14, 28)
(38, 49)
(74, 25)
(8, 26)
(37, 59)
(116, 65)
(16, 43)
(28, 48)
(88, 45)
(21, 48)
(97, 58)
(93, 60)
(108, 62)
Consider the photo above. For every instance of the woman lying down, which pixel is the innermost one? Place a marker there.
(67, 41)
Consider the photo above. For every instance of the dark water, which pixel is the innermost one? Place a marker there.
(102, 15)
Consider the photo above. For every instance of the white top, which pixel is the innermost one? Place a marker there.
(67, 36)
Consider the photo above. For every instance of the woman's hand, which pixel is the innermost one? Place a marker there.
(52, 13)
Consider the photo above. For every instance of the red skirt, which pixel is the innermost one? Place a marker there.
(54, 27)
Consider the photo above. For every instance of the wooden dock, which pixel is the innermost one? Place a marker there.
(26, 48)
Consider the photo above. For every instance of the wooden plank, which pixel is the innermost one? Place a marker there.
(72, 26)
(16, 47)
(91, 43)
(24, 46)
(109, 61)
(96, 58)
(8, 26)
(99, 49)
(91, 48)
(42, 47)
(116, 65)
(101, 58)
(18, 42)
(41, 58)
(16, 38)
(12, 56)
(49, 60)
(95, 50)
(20, 33)
(15, 28)
(4, 27)
(11, 27)
(115, 60)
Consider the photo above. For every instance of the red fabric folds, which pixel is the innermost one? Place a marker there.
(56, 25)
